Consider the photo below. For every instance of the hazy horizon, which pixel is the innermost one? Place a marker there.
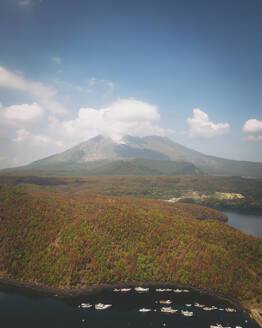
(190, 71)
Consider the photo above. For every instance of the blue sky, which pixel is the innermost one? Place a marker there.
(190, 70)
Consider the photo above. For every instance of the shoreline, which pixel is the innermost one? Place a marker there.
(67, 293)
(43, 290)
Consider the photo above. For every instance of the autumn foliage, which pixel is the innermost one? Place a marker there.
(66, 240)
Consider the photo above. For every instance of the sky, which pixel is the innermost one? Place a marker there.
(190, 70)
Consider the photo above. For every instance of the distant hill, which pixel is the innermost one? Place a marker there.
(151, 155)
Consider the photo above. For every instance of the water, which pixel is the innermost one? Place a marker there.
(18, 310)
(249, 223)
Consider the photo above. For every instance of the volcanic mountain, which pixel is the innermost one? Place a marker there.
(151, 155)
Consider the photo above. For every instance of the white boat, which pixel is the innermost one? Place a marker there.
(144, 310)
(185, 291)
(199, 305)
(218, 325)
(188, 305)
(214, 307)
(206, 308)
(178, 290)
(230, 310)
(124, 290)
(116, 290)
(141, 289)
(187, 313)
(168, 310)
(165, 302)
(161, 290)
(101, 306)
(86, 305)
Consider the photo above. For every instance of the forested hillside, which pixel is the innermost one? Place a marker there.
(74, 241)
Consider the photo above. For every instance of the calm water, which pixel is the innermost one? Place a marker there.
(17, 310)
(246, 222)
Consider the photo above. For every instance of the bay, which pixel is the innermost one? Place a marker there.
(24, 310)
(248, 222)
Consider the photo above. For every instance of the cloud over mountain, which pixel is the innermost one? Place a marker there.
(124, 116)
(201, 126)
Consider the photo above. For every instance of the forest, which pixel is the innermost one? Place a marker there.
(70, 240)
(154, 187)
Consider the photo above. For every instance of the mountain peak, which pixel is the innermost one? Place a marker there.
(103, 149)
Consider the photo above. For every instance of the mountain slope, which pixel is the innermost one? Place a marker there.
(101, 155)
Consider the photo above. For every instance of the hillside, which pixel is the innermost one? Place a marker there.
(72, 241)
(203, 190)
(136, 167)
(103, 156)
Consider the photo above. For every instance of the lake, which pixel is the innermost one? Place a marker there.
(247, 222)
(18, 310)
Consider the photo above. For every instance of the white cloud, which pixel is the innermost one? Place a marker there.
(43, 93)
(23, 113)
(252, 126)
(57, 60)
(199, 125)
(24, 136)
(125, 116)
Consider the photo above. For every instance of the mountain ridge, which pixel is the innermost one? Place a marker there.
(102, 151)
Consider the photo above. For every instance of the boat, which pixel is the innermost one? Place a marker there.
(168, 310)
(187, 313)
(85, 305)
(141, 289)
(218, 325)
(101, 306)
(124, 290)
(188, 305)
(161, 290)
(185, 290)
(165, 302)
(230, 310)
(206, 308)
(178, 290)
(116, 290)
(144, 310)
(199, 305)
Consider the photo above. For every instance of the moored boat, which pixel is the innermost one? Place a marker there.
(101, 306)
(168, 310)
(144, 310)
(187, 313)
(85, 305)
(165, 302)
(230, 310)
(141, 289)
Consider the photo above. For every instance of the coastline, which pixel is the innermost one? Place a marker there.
(67, 293)
(43, 290)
